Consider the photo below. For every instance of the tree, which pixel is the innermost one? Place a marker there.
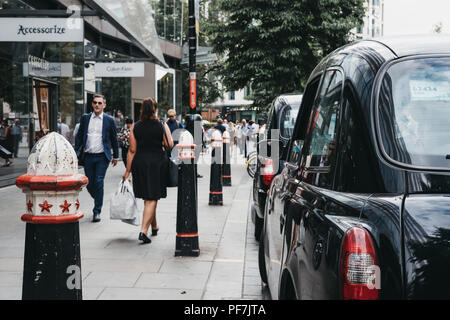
(275, 44)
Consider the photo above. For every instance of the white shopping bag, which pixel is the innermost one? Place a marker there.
(123, 204)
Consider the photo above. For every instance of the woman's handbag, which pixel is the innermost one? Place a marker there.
(172, 167)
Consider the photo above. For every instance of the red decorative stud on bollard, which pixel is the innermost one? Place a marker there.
(187, 230)
(215, 182)
(226, 166)
(52, 262)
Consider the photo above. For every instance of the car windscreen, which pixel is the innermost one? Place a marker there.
(414, 112)
(287, 120)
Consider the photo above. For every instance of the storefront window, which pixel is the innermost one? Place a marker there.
(41, 90)
(165, 90)
(117, 92)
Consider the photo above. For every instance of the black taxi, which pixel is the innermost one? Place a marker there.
(272, 149)
(361, 209)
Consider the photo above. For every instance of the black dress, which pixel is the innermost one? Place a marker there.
(149, 166)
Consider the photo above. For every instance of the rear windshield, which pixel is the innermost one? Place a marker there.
(414, 112)
(287, 120)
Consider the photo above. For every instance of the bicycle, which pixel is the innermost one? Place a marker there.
(251, 163)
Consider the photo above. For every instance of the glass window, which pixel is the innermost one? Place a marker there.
(231, 95)
(165, 91)
(323, 121)
(168, 16)
(414, 112)
(287, 120)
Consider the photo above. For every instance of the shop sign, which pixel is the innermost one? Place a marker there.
(42, 29)
(192, 90)
(39, 67)
(126, 70)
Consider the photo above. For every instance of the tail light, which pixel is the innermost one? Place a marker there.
(268, 172)
(359, 273)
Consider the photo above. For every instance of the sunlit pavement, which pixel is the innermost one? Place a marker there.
(115, 265)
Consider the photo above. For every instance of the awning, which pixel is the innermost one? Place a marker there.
(132, 19)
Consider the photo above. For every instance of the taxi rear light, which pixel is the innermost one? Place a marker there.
(359, 271)
(268, 172)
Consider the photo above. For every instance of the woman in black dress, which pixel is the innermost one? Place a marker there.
(147, 161)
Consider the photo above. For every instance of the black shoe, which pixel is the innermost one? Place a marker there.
(96, 217)
(199, 176)
(144, 238)
(155, 232)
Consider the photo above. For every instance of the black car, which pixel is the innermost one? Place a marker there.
(361, 209)
(272, 146)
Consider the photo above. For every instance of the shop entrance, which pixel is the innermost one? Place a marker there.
(136, 110)
(44, 109)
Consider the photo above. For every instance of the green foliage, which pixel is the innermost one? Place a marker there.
(207, 88)
(275, 44)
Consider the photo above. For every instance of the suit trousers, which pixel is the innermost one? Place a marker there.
(95, 166)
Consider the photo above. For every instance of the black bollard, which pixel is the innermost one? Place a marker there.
(226, 166)
(52, 261)
(215, 186)
(187, 243)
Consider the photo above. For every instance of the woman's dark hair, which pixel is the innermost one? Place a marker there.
(148, 109)
(129, 121)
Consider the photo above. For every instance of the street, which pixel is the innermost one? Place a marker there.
(115, 265)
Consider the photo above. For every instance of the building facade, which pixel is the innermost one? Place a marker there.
(235, 105)
(373, 21)
(56, 54)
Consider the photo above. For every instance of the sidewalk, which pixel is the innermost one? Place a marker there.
(115, 265)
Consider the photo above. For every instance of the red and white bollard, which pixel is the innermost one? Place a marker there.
(186, 243)
(52, 262)
(226, 166)
(215, 182)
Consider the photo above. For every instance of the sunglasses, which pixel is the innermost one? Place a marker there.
(97, 102)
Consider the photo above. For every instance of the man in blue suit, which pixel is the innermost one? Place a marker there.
(96, 136)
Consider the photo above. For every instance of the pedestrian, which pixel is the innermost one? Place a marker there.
(251, 136)
(124, 137)
(232, 131)
(219, 126)
(96, 136)
(174, 124)
(244, 131)
(120, 120)
(16, 137)
(238, 136)
(75, 131)
(5, 143)
(148, 163)
(63, 129)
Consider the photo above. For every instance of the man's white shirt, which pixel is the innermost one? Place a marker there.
(94, 142)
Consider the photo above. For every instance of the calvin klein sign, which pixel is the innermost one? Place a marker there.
(126, 70)
(42, 29)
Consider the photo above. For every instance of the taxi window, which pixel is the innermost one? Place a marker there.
(322, 127)
(414, 112)
(287, 120)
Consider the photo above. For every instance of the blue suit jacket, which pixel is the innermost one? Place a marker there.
(109, 136)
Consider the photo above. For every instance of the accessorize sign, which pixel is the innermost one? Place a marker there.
(127, 70)
(42, 29)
